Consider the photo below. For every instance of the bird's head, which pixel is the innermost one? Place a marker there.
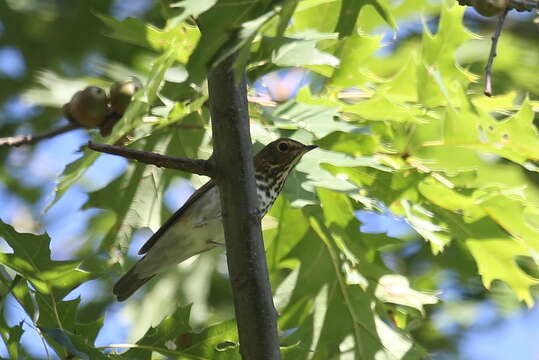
(281, 155)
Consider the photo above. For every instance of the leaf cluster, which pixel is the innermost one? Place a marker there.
(408, 132)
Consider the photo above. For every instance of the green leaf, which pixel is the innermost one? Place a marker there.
(46, 312)
(424, 222)
(509, 213)
(307, 16)
(136, 31)
(349, 143)
(341, 16)
(73, 344)
(439, 76)
(314, 118)
(354, 53)
(380, 108)
(191, 8)
(515, 138)
(281, 297)
(337, 210)
(32, 259)
(450, 199)
(139, 192)
(396, 289)
(403, 85)
(218, 26)
(369, 335)
(321, 178)
(302, 53)
(494, 251)
(171, 334)
(11, 337)
(496, 259)
(219, 342)
(358, 176)
(382, 9)
(244, 39)
(291, 228)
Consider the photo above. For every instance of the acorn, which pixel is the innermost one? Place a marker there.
(490, 7)
(121, 93)
(87, 107)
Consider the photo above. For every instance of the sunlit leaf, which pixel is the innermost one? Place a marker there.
(496, 259)
(396, 289)
(172, 333)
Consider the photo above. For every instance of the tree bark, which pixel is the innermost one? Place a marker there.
(234, 170)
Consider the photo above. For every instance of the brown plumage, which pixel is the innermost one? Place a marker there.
(196, 227)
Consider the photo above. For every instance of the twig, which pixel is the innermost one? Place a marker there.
(518, 5)
(194, 166)
(492, 55)
(32, 139)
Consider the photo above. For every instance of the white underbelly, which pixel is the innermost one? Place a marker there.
(189, 236)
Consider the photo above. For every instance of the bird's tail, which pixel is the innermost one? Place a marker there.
(129, 283)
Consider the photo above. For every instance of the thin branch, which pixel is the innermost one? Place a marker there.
(194, 166)
(32, 139)
(492, 55)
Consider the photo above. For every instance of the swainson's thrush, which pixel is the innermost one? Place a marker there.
(197, 226)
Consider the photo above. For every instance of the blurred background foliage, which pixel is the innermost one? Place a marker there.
(441, 180)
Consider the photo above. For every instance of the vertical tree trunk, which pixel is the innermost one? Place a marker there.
(253, 302)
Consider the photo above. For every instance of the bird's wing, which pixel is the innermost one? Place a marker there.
(175, 217)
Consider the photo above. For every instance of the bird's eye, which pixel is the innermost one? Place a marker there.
(96, 90)
(282, 146)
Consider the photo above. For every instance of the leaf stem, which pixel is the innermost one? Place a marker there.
(152, 348)
(360, 351)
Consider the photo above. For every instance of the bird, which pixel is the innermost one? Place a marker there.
(197, 226)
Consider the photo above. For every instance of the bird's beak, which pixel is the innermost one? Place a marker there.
(308, 148)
